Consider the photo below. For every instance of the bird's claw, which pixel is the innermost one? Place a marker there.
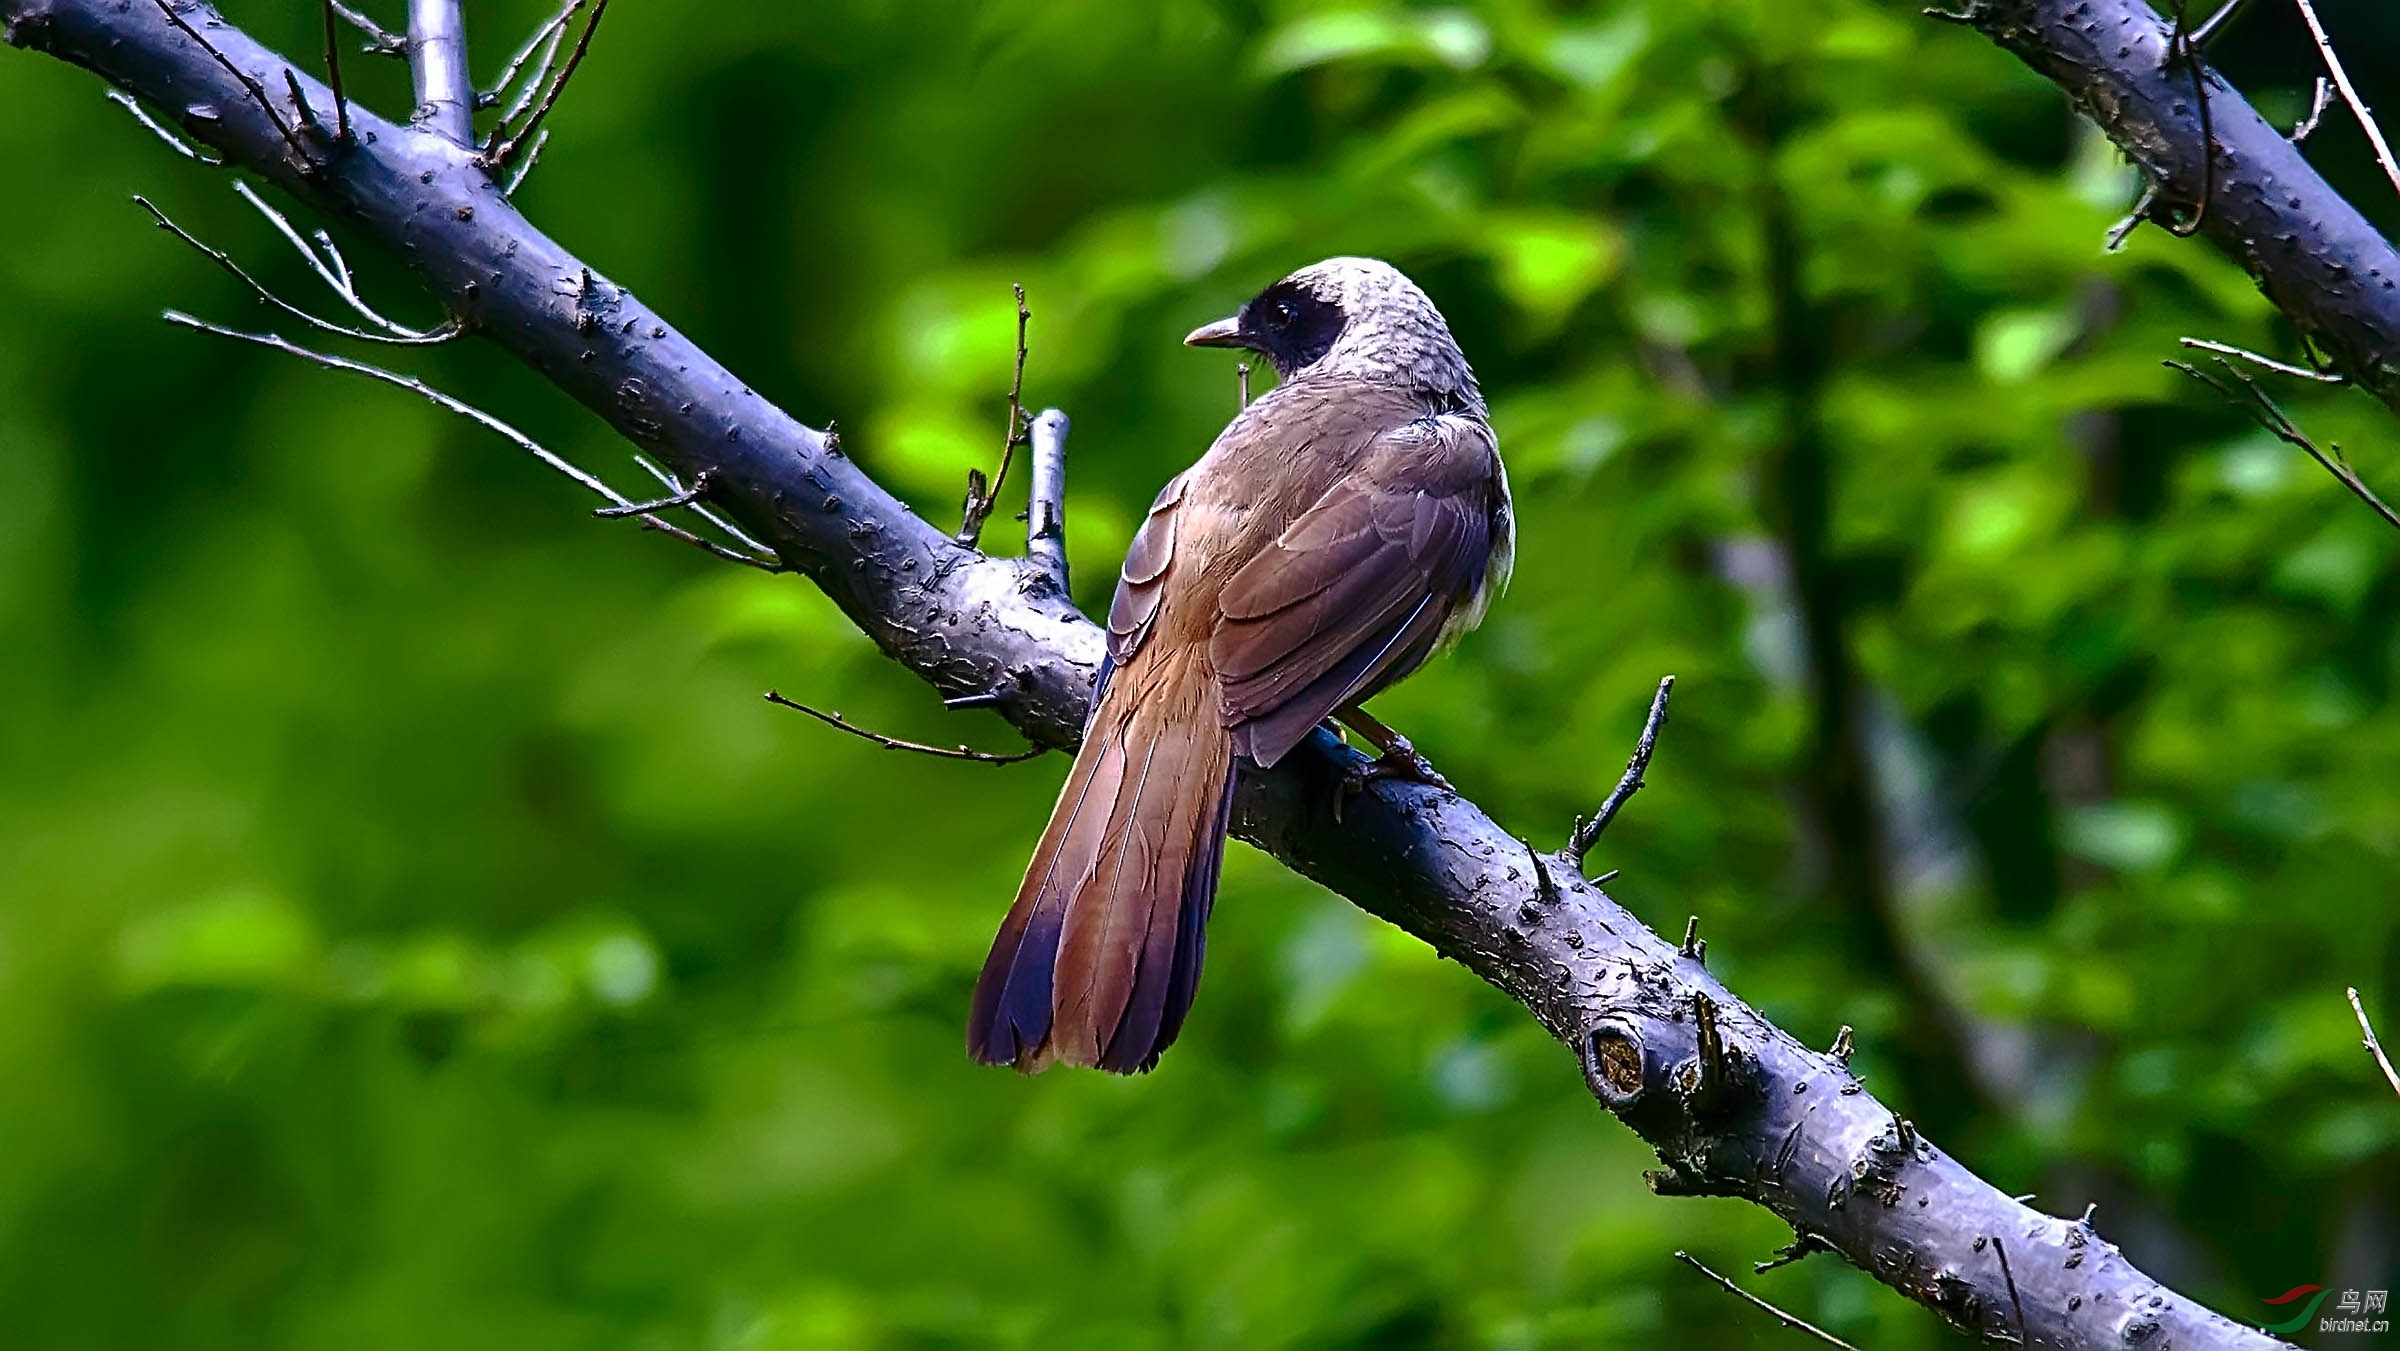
(1398, 761)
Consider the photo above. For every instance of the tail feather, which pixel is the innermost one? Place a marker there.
(1099, 958)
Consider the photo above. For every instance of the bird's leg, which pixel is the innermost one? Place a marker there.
(1398, 761)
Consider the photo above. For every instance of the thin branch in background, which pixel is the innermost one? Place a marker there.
(142, 115)
(517, 176)
(545, 40)
(476, 416)
(1587, 833)
(497, 152)
(2207, 32)
(2244, 393)
(257, 91)
(2134, 218)
(225, 261)
(2267, 363)
(893, 743)
(2367, 1030)
(2317, 104)
(1794, 1323)
(336, 276)
(2341, 81)
(981, 495)
(381, 41)
(2184, 46)
(682, 498)
(333, 74)
(675, 485)
(1046, 499)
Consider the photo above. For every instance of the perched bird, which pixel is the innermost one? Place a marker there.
(1346, 525)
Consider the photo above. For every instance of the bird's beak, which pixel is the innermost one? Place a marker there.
(1223, 333)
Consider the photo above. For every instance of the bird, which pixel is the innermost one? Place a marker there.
(1349, 523)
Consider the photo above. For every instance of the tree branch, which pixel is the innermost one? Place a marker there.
(1733, 1105)
(2308, 249)
(437, 63)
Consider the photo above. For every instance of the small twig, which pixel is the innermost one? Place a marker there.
(1587, 833)
(2317, 105)
(380, 40)
(1046, 505)
(308, 115)
(1788, 1320)
(177, 143)
(1844, 1042)
(225, 261)
(476, 416)
(518, 175)
(498, 152)
(2001, 1250)
(1803, 1244)
(333, 74)
(257, 91)
(1241, 380)
(2267, 363)
(980, 495)
(2183, 46)
(546, 40)
(2134, 218)
(683, 498)
(675, 485)
(2367, 1030)
(2207, 32)
(1693, 944)
(893, 743)
(337, 277)
(2341, 81)
(2244, 393)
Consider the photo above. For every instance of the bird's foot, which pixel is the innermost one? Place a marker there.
(1399, 760)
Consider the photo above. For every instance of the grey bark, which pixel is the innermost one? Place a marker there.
(2307, 247)
(1733, 1105)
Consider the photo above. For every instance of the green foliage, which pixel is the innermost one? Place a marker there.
(414, 929)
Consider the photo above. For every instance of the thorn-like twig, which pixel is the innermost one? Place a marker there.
(893, 743)
(177, 143)
(546, 41)
(2133, 218)
(1046, 505)
(335, 273)
(2341, 81)
(1241, 381)
(333, 74)
(2243, 392)
(1803, 1244)
(2317, 104)
(380, 40)
(683, 498)
(981, 495)
(2374, 1047)
(477, 416)
(225, 261)
(497, 152)
(2015, 1303)
(2266, 363)
(1692, 946)
(1843, 1042)
(1587, 833)
(675, 485)
(257, 91)
(1790, 1321)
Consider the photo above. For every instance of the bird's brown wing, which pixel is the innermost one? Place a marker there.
(1354, 593)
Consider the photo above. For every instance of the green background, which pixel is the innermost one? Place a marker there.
(416, 931)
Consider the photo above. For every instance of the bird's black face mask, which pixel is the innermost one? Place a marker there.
(1286, 324)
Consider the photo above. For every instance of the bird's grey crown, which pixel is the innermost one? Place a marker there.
(1393, 331)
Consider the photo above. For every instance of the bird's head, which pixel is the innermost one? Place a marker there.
(1350, 316)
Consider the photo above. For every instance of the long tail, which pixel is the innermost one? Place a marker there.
(1098, 960)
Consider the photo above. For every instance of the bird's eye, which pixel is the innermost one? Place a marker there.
(1280, 314)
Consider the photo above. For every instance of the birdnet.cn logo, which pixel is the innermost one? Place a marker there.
(2350, 1312)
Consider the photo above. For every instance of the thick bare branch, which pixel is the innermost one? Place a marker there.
(1046, 507)
(1733, 1105)
(437, 63)
(2310, 251)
